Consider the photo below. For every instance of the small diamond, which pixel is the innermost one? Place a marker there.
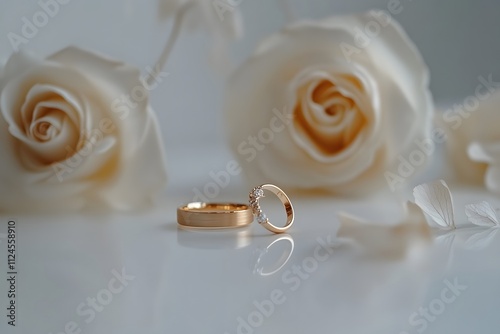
(262, 218)
(257, 193)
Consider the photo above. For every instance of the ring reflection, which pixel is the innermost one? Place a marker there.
(277, 264)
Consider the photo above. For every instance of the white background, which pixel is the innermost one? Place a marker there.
(458, 39)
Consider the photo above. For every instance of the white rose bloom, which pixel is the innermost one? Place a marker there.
(76, 131)
(473, 146)
(334, 104)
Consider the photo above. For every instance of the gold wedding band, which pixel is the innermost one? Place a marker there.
(214, 215)
(257, 193)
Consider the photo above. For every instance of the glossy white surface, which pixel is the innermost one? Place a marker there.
(206, 282)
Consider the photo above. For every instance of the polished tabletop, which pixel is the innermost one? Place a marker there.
(140, 273)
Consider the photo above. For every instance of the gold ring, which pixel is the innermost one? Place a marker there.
(214, 215)
(257, 193)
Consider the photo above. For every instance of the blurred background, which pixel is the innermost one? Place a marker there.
(458, 40)
(178, 277)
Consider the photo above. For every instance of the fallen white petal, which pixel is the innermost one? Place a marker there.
(435, 200)
(482, 214)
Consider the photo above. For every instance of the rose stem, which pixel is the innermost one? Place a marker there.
(160, 63)
(290, 14)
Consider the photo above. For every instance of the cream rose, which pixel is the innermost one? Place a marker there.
(473, 145)
(333, 104)
(76, 131)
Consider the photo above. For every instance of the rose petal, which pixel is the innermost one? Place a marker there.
(329, 143)
(145, 172)
(484, 152)
(20, 98)
(492, 178)
(46, 127)
(59, 147)
(126, 82)
(52, 97)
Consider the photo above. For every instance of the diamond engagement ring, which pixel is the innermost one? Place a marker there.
(257, 193)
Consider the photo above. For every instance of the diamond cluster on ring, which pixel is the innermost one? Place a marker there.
(255, 195)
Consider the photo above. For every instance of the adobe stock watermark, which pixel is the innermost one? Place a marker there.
(363, 36)
(87, 310)
(292, 280)
(32, 25)
(460, 111)
(122, 106)
(223, 6)
(424, 316)
(249, 149)
(76, 156)
(424, 148)
(407, 167)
